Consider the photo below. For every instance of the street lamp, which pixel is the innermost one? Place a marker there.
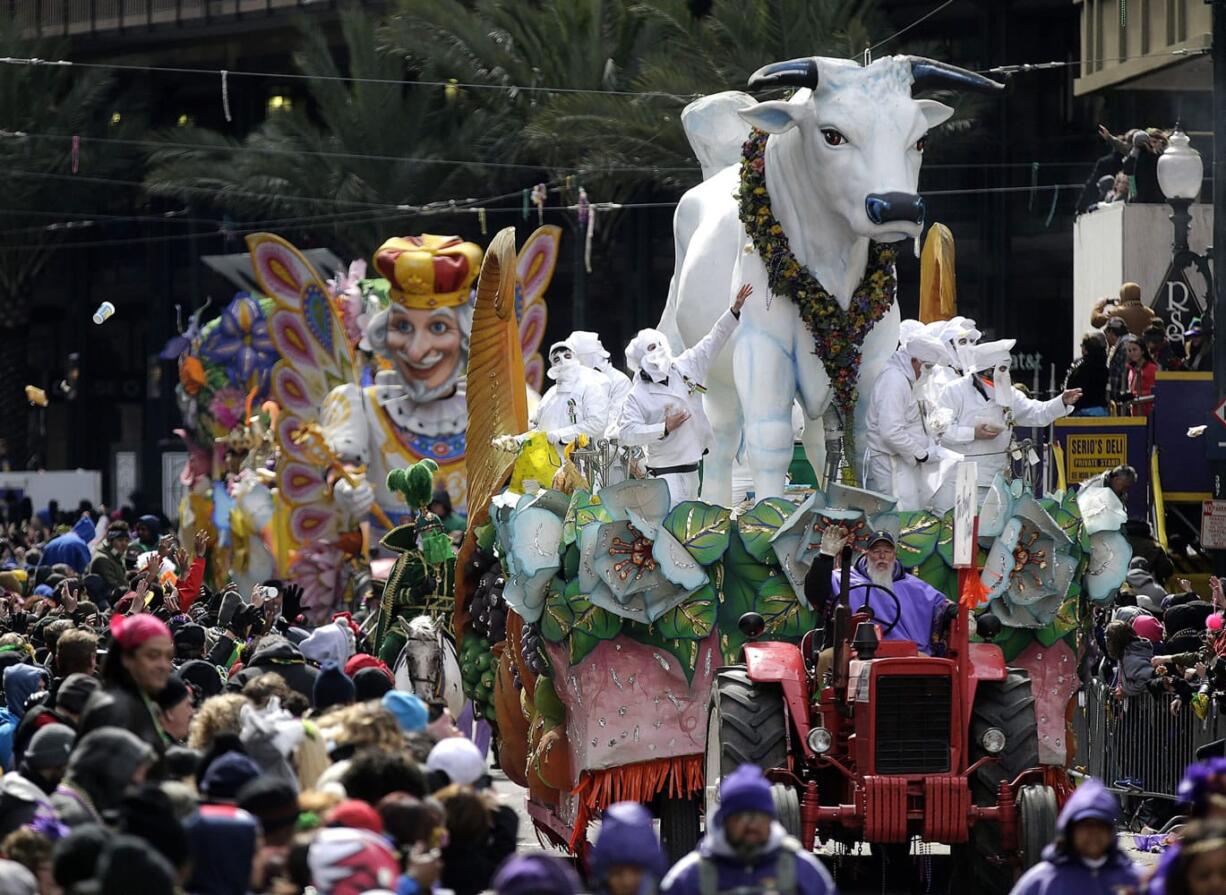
(1180, 172)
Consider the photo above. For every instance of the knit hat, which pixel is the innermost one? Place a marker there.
(118, 529)
(204, 677)
(50, 747)
(356, 814)
(332, 687)
(627, 837)
(130, 631)
(371, 683)
(273, 801)
(226, 776)
(189, 636)
(535, 874)
(173, 693)
(365, 660)
(459, 759)
(745, 789)
(1148, 627)
(411, 713)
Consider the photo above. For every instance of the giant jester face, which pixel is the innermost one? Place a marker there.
(426, 346)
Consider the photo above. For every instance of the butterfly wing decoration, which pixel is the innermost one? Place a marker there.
(315, 357)
(534, 272)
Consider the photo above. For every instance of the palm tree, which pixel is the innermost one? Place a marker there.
(339, 164)
(692, 56)
(42, 107)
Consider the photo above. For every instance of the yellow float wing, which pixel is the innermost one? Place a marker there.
(497, 396)
(938, 293)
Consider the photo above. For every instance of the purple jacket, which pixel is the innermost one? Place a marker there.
(733, 872)
(923, 606)
(1063, 873)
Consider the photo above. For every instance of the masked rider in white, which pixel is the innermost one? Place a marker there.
(663, 411)
(577, 405)
(901, 453)
(985, 407)
(592, 354)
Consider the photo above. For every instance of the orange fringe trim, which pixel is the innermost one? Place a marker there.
(597, 790)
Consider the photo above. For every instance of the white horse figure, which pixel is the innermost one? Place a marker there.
(842, 167)
(428, 667)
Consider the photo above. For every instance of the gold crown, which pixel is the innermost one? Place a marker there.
(428, 272)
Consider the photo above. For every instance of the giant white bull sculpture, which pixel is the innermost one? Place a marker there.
(841, 167)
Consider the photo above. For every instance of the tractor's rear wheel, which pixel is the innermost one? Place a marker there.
(1008, 706)
(746, 726)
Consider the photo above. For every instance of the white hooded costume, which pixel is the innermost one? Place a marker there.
(973, 400)
(578, 404)
(662, 383)
(592, 354)
(901, 457)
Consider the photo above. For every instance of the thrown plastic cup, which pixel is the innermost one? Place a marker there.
(104, 312)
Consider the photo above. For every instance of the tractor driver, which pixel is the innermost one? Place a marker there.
(922, 611)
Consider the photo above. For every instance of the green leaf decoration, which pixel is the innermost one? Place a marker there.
(758, 525)
(584, 508)
(918, 533)
(558, 618)
(936, 572)
(1060, 626)
(945, 540)
(742, 579)
(1013, 640)
(692, 620)
(594, 621)
(570, 562)
(484, 535)
(701, 528)
(785, 616)
(581, 646)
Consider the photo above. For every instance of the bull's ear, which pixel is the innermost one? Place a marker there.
(775, 116)
(935, 113)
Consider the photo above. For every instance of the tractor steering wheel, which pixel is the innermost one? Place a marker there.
(868, 585)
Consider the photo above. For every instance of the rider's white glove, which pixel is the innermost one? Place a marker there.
(356, 499)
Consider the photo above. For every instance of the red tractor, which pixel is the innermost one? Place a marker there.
(894, 744)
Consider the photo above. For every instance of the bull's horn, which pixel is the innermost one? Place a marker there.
(793, 73)
(929, 74)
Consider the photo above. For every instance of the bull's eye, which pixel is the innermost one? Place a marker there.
(922, 143)
(833, 137)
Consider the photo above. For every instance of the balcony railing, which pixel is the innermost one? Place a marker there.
(69, 18)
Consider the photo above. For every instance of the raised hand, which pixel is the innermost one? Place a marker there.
(833, 540)
(738, 301)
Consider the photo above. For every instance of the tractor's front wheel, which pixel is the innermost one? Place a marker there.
(746, 725)
(1036, 822)
(1008, 706)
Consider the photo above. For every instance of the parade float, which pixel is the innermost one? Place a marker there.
(592, 622)
(299, 400)
(593, 619)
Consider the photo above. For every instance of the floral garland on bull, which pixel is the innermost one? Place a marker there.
(838, 334)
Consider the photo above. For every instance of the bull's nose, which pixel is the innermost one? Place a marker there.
(882, 208)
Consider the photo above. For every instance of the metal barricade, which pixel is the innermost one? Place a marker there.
(1137, 745)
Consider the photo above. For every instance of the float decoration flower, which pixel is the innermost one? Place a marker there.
(240, 341)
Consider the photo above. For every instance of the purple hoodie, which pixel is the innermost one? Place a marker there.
(627, 837)
(1063, 873)
(746, 789)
